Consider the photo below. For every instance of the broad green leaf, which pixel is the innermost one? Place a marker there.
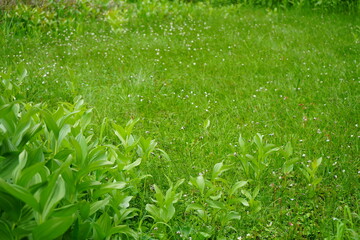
(130, 125)
(21, 164)
(95, 206)
(2, 128)
(216, 204)
(51, 196)
(289, 165)
(247, 194)
(105, 223)
(258, 140)
(93, 166)
(206, 124)
(205, 235)
(194, 206)
(219, 169)
(128, 213)
(31, 133)
(5, 231)
(10, 146)
(28, 173)
(108, 187)
(256, 191)
(85, 229)
(166, 213)
(217, 197)
(272, 150)
(98, 232)
(123, 229)
(97, 154)
(84, 209)
(112, 186)
(52, 228)
(8, 121)
(23, 75)
(244, 202)
(78, 147)
(19, 133)
(78, 102)
(35, 155)
(136, 163)
(237, 185)
(178, 183)
(229, 216)
(83, 146)
(87, 185)
(64, 131)
(125, 203)
(316, 163)
(242, 144)
(50, 123)
(153, 210)
(216, 170)
(24, 229)
(160, 198)
(287, 168)
(198, 182)
(67, 118)
(20, 193)
(146, 146)
(11, 205)
(288, 150)
(7, 165)
(86, 118)
(64, 211)
(63, 154)
(119, 132)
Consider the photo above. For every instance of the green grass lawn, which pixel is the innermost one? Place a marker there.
(197, 82)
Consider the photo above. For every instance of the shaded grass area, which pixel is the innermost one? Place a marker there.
(198, 81)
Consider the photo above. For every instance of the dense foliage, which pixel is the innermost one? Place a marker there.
(200, 77)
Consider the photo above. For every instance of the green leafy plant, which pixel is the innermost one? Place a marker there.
(55, 177)
(290, 161)
(217, 202)
(254, 156)
(163, 210)
(310, 173)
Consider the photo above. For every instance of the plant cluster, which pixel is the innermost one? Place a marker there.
(58, 179)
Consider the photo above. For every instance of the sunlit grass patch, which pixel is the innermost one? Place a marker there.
(195, 78)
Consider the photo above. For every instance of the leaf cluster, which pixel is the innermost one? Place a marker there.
(58, 179)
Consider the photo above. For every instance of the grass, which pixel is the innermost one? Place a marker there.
(198, 81)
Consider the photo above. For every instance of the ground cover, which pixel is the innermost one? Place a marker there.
(203, 81)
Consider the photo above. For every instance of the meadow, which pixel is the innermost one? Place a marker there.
(175, 120)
